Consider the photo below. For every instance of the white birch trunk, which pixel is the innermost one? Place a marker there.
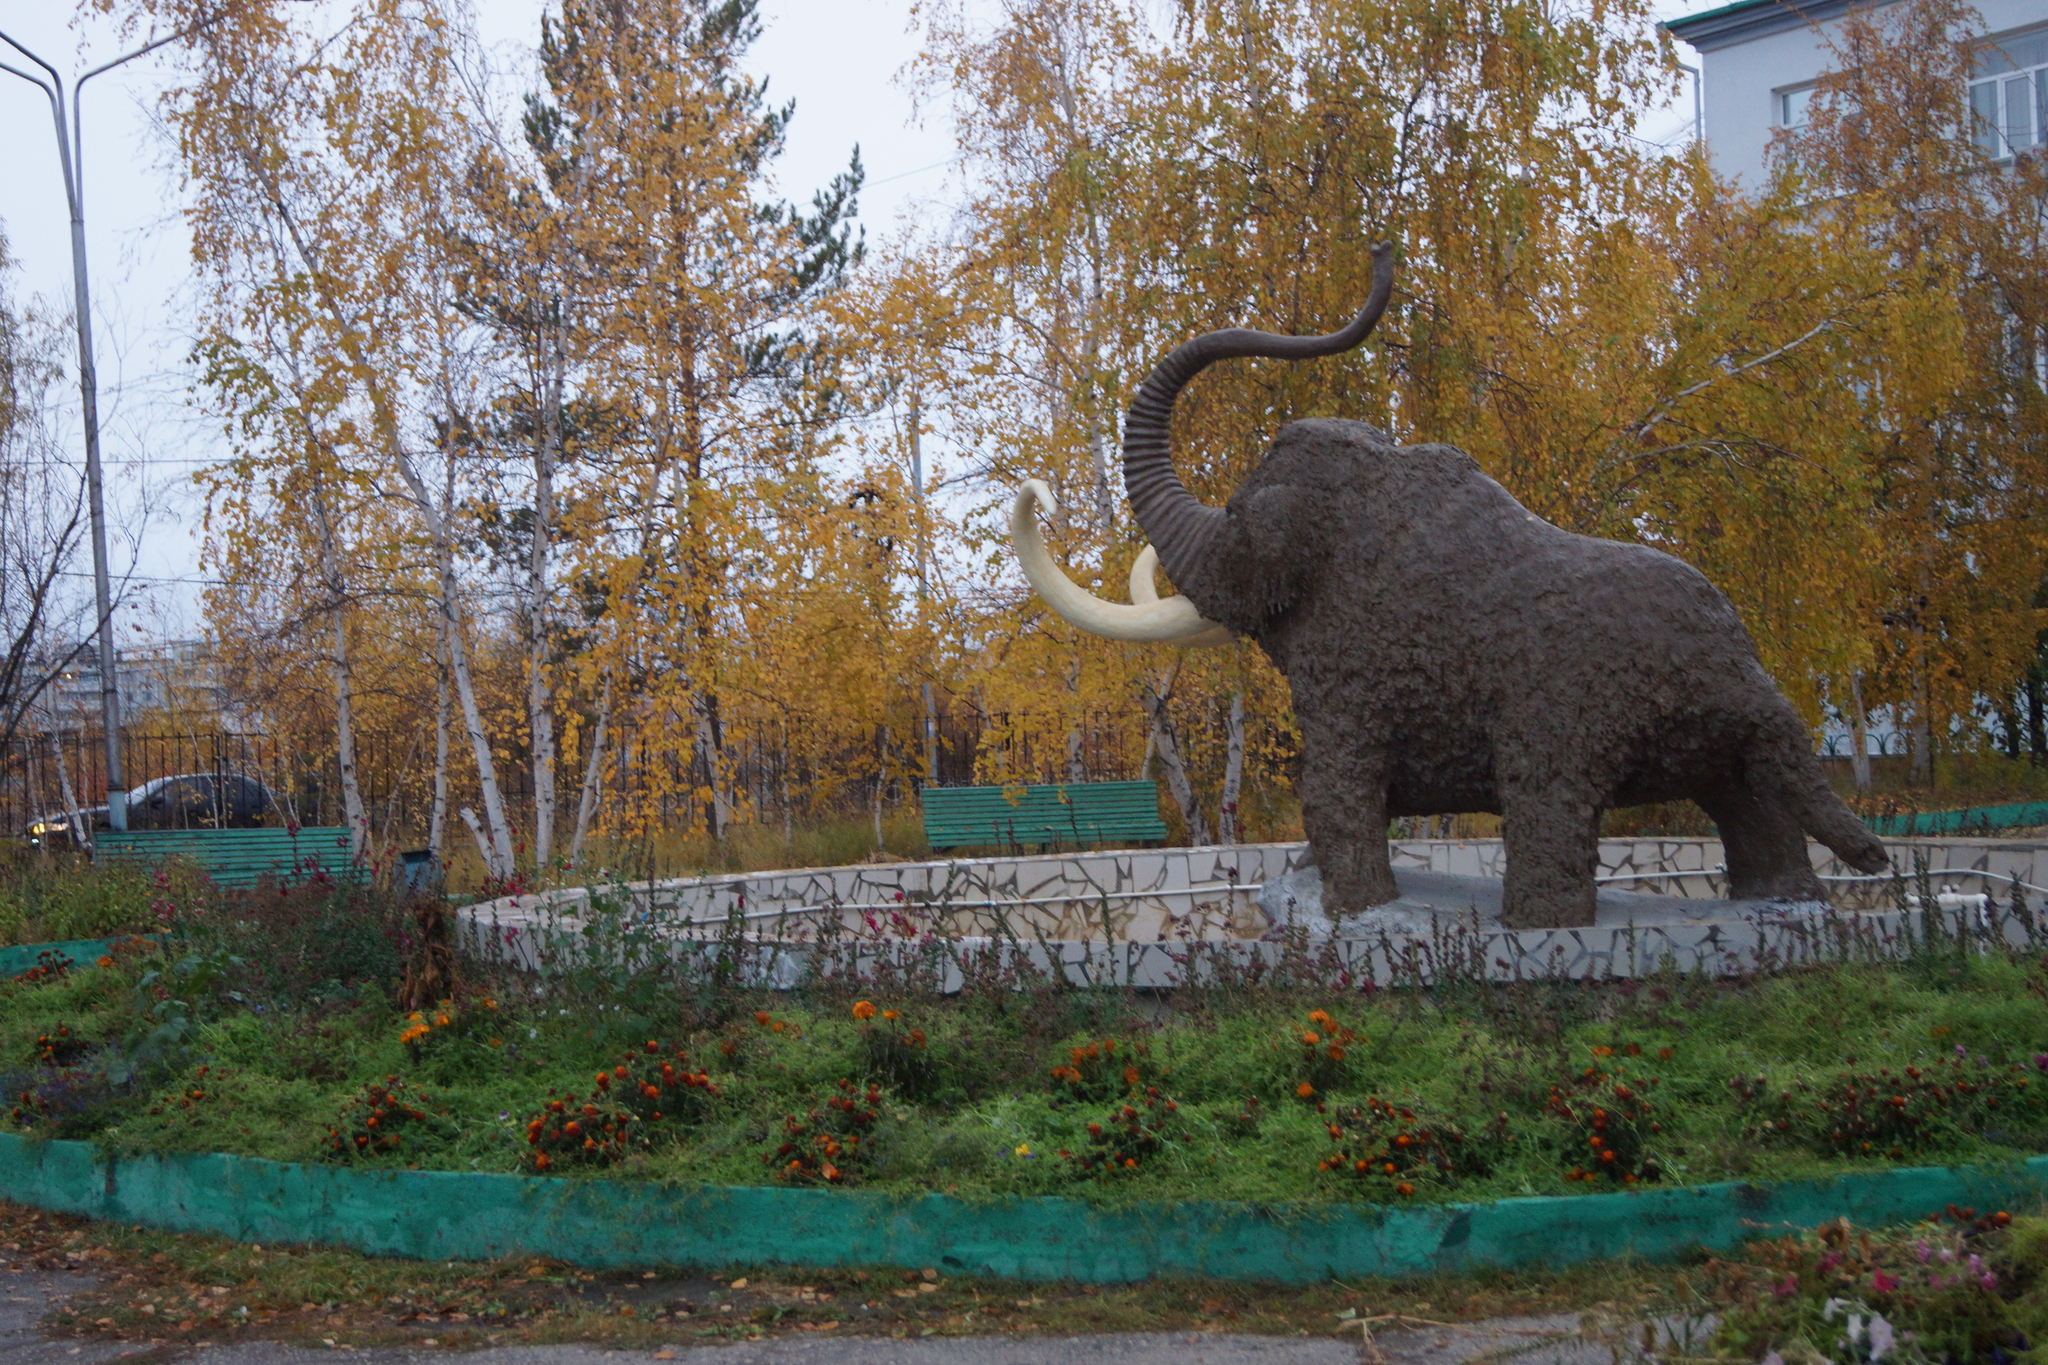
(708, 754)
(342, 673)
(1169, 759)
(437, 823)
(1233, 773)
(81, 833)
(498, 859)
(1859, 732)
(540, 704)
(586, 804)
(476, 831)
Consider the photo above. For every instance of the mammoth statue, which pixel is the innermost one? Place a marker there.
(1450, 651)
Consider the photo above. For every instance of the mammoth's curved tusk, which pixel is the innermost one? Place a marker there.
(1143, 593)
(1172, 621)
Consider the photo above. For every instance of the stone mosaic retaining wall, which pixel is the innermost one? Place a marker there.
(1157, 918)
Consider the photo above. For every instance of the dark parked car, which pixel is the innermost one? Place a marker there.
(185, 801)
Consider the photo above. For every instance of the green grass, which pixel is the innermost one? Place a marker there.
(259, 1031)
(48, 899)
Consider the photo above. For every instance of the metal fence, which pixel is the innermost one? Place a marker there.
(769, 768)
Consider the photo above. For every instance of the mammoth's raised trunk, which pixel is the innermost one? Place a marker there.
(1179, 527)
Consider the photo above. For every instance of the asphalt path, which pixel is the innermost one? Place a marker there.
(27, 1297)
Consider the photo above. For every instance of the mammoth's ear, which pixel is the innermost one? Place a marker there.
(1273, 540)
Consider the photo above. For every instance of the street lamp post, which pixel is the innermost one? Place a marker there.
(71, 157)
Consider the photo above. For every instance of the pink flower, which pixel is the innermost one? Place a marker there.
(1788, 1288)
(1883, 1283)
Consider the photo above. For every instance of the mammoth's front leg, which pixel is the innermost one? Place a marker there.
(1344, 806)
(1552, 832)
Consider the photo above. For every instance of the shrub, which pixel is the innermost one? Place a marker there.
(1390, 1149)
(50, 966)
(899, 1055)
(832, 1145)
(570, 1132)
(60, 1047)
(1132, 1136)
(384, 1118)
(1887, 1113)
(1611, 1124)
(1926, 1292)
(59, 1102)
(660, 1089)
(1324, 1045)
(1093, 1072)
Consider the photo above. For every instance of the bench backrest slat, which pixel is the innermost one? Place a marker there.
(1075, 813)
(236, 857)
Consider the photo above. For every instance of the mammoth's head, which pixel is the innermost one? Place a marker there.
(1194, 543)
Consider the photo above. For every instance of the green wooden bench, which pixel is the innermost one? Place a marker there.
(1119, 813)
(236, 857)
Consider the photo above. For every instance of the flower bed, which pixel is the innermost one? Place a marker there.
(265, 1029)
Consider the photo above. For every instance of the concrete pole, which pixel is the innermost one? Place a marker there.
(70, 157)
(931, 715)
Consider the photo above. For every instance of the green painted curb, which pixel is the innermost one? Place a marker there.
(83, 952)
(437, 1215)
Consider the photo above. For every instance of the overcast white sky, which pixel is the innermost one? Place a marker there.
(839, 59)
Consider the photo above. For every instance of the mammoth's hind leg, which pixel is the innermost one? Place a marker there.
(1764, 846)
(1552, 833)
(1344, 807)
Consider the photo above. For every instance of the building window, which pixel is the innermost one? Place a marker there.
(2009, 95)
(1793, 106)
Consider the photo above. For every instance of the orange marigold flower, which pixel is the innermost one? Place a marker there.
(1130, 1163)
(761, 1018)
(889, 1014)
(863, 1009)
(1310, 1039)
(541, 1162)
(105, 961)
(917, 1037)
(1336, 1054)
(1304, 1090)
(1319, 1017)
(778, 1026)
(1404, 1188)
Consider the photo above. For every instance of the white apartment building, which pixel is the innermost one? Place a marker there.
(1758, 60)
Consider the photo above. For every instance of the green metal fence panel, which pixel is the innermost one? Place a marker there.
(441, 1215)
(237, 857)
(1072, 814)
(1969, 820)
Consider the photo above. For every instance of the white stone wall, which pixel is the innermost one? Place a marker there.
(1097, 911)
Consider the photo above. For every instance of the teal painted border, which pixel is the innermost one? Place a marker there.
(83, 952)
(437, 1215)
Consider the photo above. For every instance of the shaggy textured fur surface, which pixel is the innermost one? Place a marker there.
(1450, 651)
